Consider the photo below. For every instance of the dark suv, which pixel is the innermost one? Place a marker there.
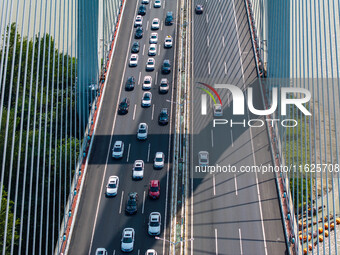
(163, 117)
(139, 33)
(130, 83)
(166, 67)
(131, 206)
(135, 47)
(169, 19)
(124, 106)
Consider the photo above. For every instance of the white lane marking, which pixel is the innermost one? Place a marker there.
(209, 67)
(153, 110)
(225, 68)
(164, 5)
(216, 241)
(150, 4)
(238, 41)
(121, 202)
(128, 155)
(161, 25)
(239, 233)
(212, 138)
(134, 112)
(221, 17)
(156, 78)
(143, 50)
(138, 251)
(114, 252)
(235, 184)
(110, 144)
(232, 138)
(223, 43)
(207, 18)
(143, 202)
(208, 41)
(214, 185)
(148, 153)
(140, 74)
(159, 49)
(147, 25)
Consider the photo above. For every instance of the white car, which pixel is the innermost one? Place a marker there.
(150, 64)
(154, 228)
(155, 24)
(151, 252)
(157, 4)
(128, 239)
(142, 132)
(168, 42)
(102, 251)
(112, 186)
(152, 50)
(118, 149)
(147, 82)
(138, 21)
(146, 99)
(153, 38)
(164, 86)
(218, 111)
(138, 170)
(145, 1)
(133, 60)
(158, 161)
(203, 158)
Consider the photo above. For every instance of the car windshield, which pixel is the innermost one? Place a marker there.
(142, 131)
(127, 240)
(154, 224)
(146, 97)
(117, 149)
(123, 105)
(153, 36)
(138, 168)
(166, 64)
(154, 189)
(112, 185)
(147, 82)
(131, 202)
(159, 159)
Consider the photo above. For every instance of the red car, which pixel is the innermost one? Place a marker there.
(154, 189)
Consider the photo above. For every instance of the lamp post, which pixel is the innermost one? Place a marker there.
(174, 243)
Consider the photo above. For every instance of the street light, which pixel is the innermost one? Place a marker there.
(174, 243)
(174, 102)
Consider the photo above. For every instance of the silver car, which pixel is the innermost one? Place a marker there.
(142, 132)
(203, 158)
(218, 111)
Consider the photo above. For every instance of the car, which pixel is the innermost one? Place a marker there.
(155, 24)
(142, 10)
(118, 149)
(138, 21)
(145, 1)
(151, 252)
(123, 107)
(147, 82)
(164, 86)
(153, 38)
(154, 226)
(112, 186)
(131, 206)
(133, 60)
(138, 170)
(150, 64)
(166, 67)
(218, 111)
(158, 162)
(154, 189)
(102, 251)
(157, 4)
(142, 132)
(163, 117)
(203, 158)
(146, 99)
(152, 50)
(168, 42)
(135, 47)
(169, 19)
(199, 9)
(130, 83)
(128, 240)
(139, 33)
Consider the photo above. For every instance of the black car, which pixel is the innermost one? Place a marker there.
(142, 10)
(124, 106)
(135, 47)
(163, 117)
(130, 83)
(139, 33)
(131, 206)
(169, 19)
(199, 9)
(166, 67)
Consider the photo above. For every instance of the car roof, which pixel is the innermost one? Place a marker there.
(159, 153)
(154, 183)
(155, 214)
(118, 143)
(166, 61)
(113, 178)
(139, 162)
(165, 110)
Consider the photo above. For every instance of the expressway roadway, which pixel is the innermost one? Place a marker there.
(231, 213)
(101, 220)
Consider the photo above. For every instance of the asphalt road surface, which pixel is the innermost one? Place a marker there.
(232, 213)
(101, 220)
